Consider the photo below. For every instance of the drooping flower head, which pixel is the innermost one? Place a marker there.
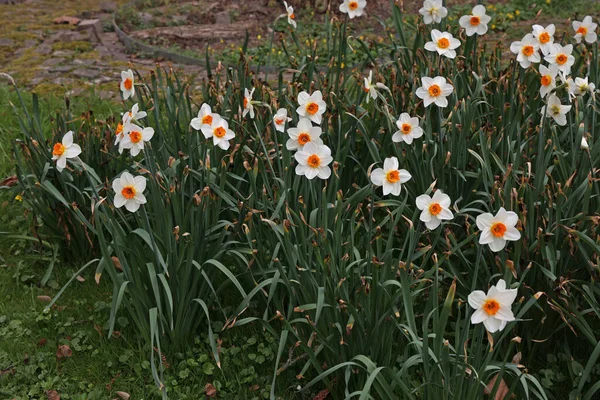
(409, 129)
(390, 177)
(370, 88)
(444, 43)
(248, 107)
(476, 23)
(434, 209)
(493, 308)
(311, 106)
(584, 143)
(303, 134)
(434, 90)
(497, 229)
(129, 191)
(547, 79)
(582, 86)
(127, 84)
(354, 8)
(556, 110)
(313, 160)
(119, 135)
(64, 150)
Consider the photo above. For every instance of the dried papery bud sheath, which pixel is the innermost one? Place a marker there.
(287, 225)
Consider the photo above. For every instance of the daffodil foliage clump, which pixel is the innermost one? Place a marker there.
(425, 226)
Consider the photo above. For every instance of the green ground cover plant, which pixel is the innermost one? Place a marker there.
(425, 227)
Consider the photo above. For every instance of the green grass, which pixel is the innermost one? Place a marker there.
(98, 367)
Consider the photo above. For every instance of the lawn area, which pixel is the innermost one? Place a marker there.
(403, 205)
(96, 367)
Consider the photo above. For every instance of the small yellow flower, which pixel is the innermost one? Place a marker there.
(517, 12)
(509, 16)
(18, 198)
(342, 65)
(493, 26)
(259, 37)
(548, 1)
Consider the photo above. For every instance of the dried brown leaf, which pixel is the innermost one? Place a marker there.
(210, 390)
(117, 263)
(502, 391)
(64, 351)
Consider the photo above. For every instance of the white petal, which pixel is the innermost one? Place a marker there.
(506, 297)
(425, 215)
(324, 172)
(497, 244)
(479, 316)
(433, 223)
(73, 151)
(378, 177)
(61, 162)
(484, 221)
(492, 324)
(303, 98)
(476, 299)
(139, 183)
(512, 233)
(423, 201)
(405, 176)
(486, 236)
(390, 164)
(120, 200)
(67, 140)
(132, 206)
(445, 214)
